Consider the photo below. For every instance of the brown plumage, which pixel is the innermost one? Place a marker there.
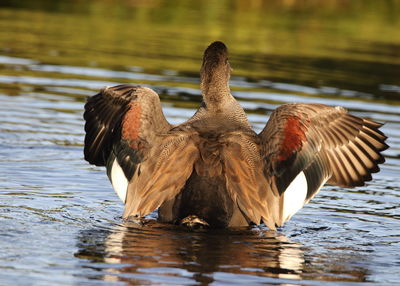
(214, 166)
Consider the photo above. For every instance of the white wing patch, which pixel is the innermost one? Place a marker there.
(119, 181)
(294, 197)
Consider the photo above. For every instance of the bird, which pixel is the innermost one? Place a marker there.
(214, 170)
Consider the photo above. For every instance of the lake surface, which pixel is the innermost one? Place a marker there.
(60, 221)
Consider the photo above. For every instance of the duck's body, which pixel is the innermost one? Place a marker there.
(214, 167)
(205, 192)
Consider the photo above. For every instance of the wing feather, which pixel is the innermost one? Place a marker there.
(122, 123)
(162, 175)
(245, 180)
(326, 143)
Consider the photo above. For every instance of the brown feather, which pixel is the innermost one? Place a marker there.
(162, 176)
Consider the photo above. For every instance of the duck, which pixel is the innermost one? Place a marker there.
(214, 170)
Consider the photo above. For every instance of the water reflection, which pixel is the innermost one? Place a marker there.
(159, 249)
(170, 254)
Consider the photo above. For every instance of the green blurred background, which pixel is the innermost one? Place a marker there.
(348, 44)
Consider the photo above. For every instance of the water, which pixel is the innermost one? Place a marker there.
(60, 220)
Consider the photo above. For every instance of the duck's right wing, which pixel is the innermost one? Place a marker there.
(307, 145)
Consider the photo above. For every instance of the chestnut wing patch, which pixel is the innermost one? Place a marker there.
(293, 138)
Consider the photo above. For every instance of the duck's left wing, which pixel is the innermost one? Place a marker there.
(122, 124)
(307, 145)
(147, 161)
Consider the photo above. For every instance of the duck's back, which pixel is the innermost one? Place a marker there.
(206, 194)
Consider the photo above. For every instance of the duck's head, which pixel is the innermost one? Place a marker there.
(215, 70)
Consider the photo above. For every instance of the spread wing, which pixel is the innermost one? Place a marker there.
(307, 145)
(127, 113)
(147, 162)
